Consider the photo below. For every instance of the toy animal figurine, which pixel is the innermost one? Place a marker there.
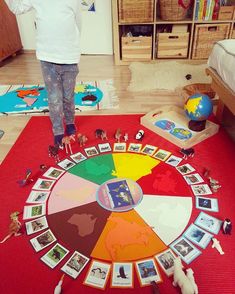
(187, 152)
(82, 139)
(53, 151)
(139, 136)
(58, 288)
(180, 279)
(155, 289)
(190, 275)
(125, 137)
(118, 135)
(99, 133)
(66, 141)
(214, 184)
(216, 245)
(14, 227)
(27, 179)
(227, 226)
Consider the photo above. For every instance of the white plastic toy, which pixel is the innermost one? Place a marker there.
(181, 280)
(58, 288)
(190, 275)
(216, 245)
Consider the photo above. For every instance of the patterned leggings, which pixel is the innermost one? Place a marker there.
(60, 80)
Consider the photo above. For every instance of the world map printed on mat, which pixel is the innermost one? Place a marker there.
(33, 98)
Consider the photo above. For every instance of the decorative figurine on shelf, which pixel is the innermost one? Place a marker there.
(125, 137)
(58, 288)
(99, 133)
(118, 135)
(216, 245)
(139, 136)
(187, 152)
(53, 151)
(82, 139)
(190, 275)
(198, 108)
(227, 226)
(14, 227)
(180, 279)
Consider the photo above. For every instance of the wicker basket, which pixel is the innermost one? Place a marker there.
(174, 9)
(200, 88)
(135, 11)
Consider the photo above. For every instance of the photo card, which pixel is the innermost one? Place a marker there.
(36, 225)
(122, 275)
(202, 189)
(43, 184)
(185, 249)
(53, 173)
(174, 160)
(149, 149)
(38, 197)
(134, 147)
(104, 147)
(208, 222)
(198, 236)
(34, 211)
(55, 255)
(209, 204)
(98, 274)
(78, 157)
(185, 169)
(75, 264)
(147, 272)
(66, 164)
(165, 260)
(119, 147)
(43, 240)
(193, 179)
(162, 154)
(91, 151)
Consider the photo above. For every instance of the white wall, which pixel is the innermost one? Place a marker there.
(96, 30)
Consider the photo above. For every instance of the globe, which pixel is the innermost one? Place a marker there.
(198, 107)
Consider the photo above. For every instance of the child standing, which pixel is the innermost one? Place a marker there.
(58, 26)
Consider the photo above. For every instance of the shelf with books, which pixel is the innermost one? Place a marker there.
(145, 46)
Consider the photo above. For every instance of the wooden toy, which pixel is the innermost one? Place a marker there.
(99, 133)
(14, 227)
(82, 139)
(180, 279)
(227, 226)
(171, 123)
(216, 245)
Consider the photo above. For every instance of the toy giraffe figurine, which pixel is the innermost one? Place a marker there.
(14, 227)
(66, 141)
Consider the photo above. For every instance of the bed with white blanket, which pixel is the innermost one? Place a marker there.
(221, 68)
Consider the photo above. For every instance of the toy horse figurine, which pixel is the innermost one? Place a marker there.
(81, 139)
(14, 227)
(181, 280)
(53, 151)
(99, 133)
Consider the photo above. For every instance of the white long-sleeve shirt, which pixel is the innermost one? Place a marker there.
(58, 25)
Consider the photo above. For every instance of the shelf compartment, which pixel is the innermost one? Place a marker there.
(130, 11)
(136, 48)
(205, 36)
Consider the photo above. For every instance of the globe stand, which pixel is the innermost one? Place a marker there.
(197, 126)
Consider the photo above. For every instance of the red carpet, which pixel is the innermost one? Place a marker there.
(21, 269)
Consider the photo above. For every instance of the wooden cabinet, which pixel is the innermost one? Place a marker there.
(169, 38)
(10, 41)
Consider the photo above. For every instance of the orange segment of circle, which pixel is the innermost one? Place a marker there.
(127, 237)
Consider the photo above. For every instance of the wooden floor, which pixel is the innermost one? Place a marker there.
(25, 69)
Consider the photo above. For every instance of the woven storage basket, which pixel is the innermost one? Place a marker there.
(135, 11)
(174, 9)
